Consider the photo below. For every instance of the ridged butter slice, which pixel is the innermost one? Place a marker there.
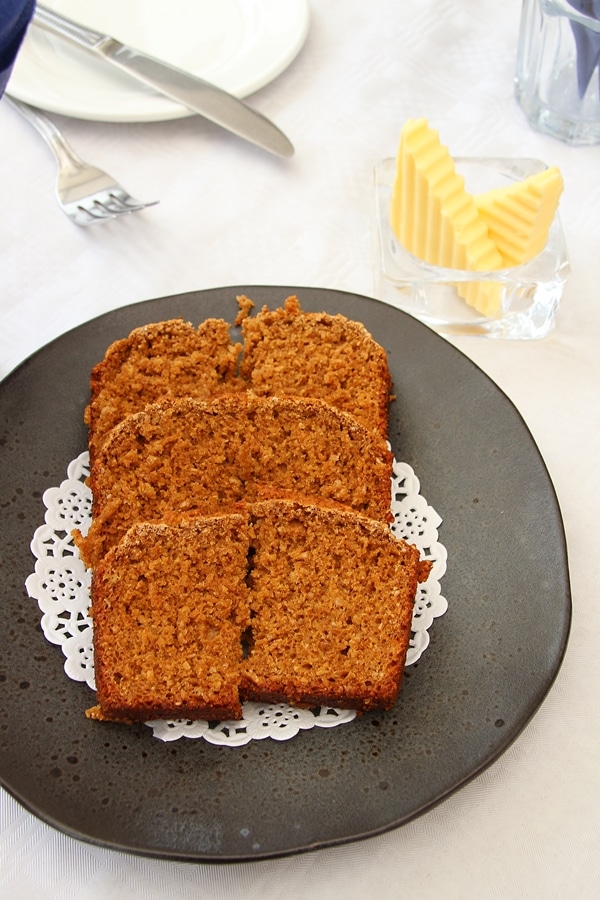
(436, 219)
(519, 215)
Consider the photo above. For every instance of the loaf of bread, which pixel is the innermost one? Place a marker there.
(182, 456)
(288, 352)
(282, 602)
(164, 359)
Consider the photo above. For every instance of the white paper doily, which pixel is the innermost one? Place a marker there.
(61, 586)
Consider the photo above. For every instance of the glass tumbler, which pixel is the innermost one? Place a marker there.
(557, 81)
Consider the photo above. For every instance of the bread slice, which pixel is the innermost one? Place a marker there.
(331, 601)
(319, 599)
(288, 352)
(184, 456)
(168, 606)
(164, 359)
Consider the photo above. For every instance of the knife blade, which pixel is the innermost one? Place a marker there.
(195, 93)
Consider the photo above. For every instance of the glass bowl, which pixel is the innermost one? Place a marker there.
(530, 294)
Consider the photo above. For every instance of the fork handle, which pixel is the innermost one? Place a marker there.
(55, 139)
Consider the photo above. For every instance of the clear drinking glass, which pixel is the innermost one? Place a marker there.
(557, 81)
(529, 294)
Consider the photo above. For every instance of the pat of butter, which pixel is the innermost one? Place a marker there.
(436, 219)
(519, 215)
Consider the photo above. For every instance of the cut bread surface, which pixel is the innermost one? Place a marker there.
(182, 456)
(268, 604)
(168, 606)
(285, 352)
(156, 361)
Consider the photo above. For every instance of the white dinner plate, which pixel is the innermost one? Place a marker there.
(239, 45)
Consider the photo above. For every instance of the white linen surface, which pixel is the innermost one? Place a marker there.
(529, 826)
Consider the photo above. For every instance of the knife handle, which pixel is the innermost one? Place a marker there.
(56, 23)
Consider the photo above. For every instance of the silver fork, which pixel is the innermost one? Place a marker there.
(86, 194)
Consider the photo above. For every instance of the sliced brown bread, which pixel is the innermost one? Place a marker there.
(182, 456)
(164, 359)
(321, 599)
(331, 602)
(168, 606)
(288, 352)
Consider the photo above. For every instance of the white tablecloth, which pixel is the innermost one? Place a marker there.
(529, 826)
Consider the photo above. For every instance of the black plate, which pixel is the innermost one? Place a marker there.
(491, 661)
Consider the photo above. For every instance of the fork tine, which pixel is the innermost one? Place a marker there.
(97, 212)
(129, 204)
(105, 211)
(101, 210)
(133, 205)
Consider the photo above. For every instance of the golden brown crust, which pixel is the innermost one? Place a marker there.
(181, 455)
(289, 352)
(164, 359)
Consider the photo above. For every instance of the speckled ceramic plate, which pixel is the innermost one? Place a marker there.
(492, 658)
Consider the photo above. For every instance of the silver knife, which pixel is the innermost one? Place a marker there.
(196, 94)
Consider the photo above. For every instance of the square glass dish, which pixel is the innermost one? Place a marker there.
(529, 294)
